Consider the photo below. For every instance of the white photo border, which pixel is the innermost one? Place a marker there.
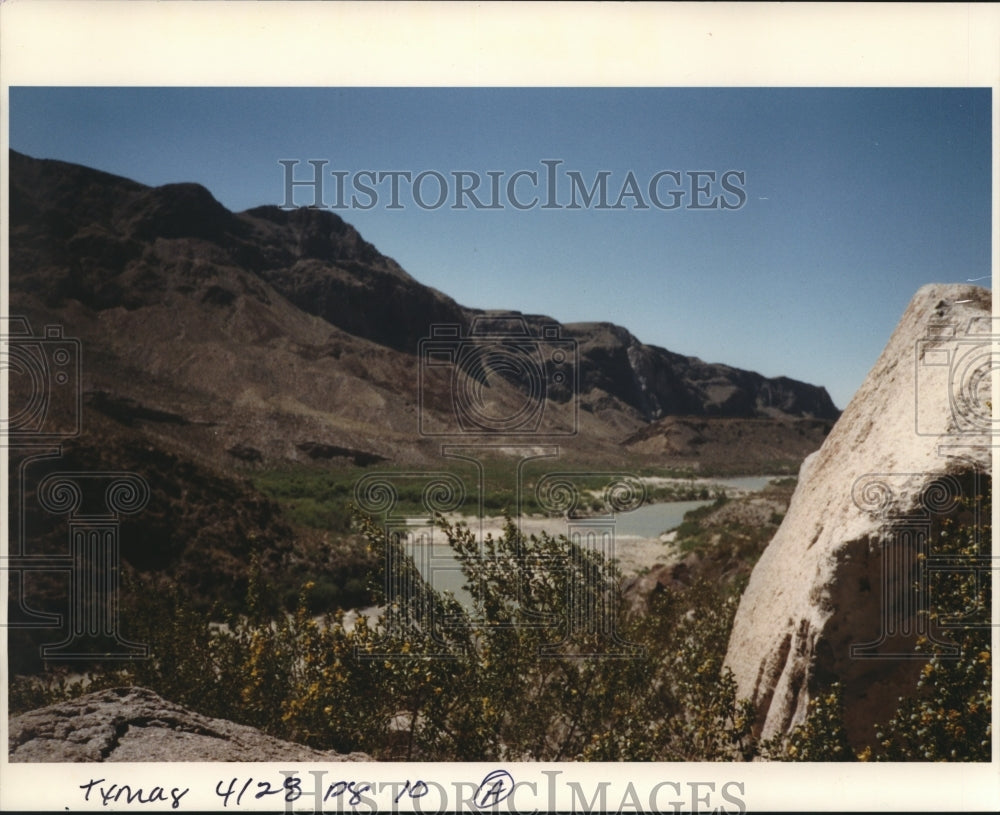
(278, 44)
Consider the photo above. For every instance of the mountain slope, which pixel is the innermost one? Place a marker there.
(281, 328)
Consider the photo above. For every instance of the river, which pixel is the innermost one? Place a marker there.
(638, 541)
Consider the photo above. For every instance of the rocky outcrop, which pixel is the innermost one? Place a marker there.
(657, 382)
(835, 596)
(677, 576)
(134, 724)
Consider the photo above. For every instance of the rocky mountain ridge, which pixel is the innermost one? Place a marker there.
(185, 308)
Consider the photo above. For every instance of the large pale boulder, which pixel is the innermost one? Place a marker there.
(838, 592)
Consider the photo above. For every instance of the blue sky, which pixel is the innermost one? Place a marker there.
(853, 197)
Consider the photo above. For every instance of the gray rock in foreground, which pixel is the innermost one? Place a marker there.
(134, 724)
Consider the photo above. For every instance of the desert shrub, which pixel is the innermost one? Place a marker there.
(527, 671)
(506, 680)
(698, 716)
(822, 737)
(948, 717)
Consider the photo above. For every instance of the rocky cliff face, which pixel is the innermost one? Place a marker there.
(838, 592)
(134, 724)
(270, 329)
(657, 382)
